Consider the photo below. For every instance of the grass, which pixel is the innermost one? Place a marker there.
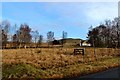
(55, 63)
(21, 71)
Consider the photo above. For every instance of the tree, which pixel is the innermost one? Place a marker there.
(4, 30)
(4, 39)
(40, 40)
(0, 35)
(106, 35)
(50, 37)
(5, 25)
(23, 34)
(15, 38)
(117, 30)
(93, 36)
(35, 36)
(64, 36)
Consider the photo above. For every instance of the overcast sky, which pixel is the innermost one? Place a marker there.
(73, 17)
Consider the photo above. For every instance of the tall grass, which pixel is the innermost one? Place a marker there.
(55, 62)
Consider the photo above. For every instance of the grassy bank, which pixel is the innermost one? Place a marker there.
(23, 70)
(55, 63)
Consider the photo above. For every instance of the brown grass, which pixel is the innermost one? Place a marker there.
(57, 61)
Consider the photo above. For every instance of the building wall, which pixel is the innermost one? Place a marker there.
(72, 42)
(86, 44)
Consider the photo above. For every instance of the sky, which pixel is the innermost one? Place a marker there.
(59, 0)
(75, 18)
(119, 8)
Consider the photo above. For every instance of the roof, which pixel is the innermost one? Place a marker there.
(71, 39)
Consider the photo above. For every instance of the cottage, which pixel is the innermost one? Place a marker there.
(85, 43)
(71, 42)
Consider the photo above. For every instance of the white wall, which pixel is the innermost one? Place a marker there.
(86, 44)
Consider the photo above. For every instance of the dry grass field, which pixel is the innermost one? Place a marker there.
(56, 62)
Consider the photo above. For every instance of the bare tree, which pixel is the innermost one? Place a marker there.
(23, 34)
(4, 39)
(35, 36)
(4, 32)
(117, 30)
(40, 40)
(5, 26)
(64, 36)
(50, 37)
(106, 35)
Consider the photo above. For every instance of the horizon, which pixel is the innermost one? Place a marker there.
(74, 18)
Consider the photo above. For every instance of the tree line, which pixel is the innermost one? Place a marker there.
(106, 34)
(24, 35)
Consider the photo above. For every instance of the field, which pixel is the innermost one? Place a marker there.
(56, 62)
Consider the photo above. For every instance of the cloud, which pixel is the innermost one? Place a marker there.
(102, 11)
(75, 18)
(65, 13)
(70, 13)
(81, 13)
